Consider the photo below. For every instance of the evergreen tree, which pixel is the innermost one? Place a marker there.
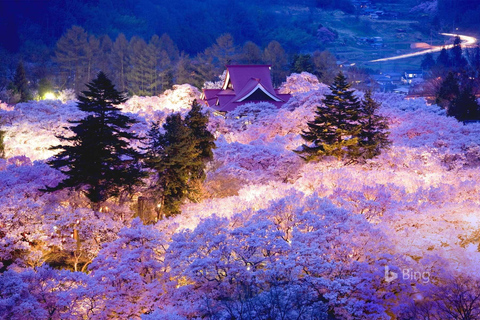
(71, 56)
(184, 70)
(457, 59)
(428, 62)
(223, 52)
(161, 64)
(179, 156)
(448, 91)
(464, 106)
(103, 61)
(251, 54)
(97, 158)
(202, 68)
(172, 155)
(443, 60)
(20, 83)
(139, 71)
(325, 65)
(204, 140)
(275, 55)
(167, 45)
(92, 55)
(373, 136)
(301, 63)
(119, 61)
(334, 130)
(475, 60)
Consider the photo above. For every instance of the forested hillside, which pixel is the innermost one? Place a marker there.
(147, 46)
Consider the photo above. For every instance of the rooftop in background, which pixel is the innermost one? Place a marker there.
(244, 84)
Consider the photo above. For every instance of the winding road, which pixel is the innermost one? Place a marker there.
(466, 42)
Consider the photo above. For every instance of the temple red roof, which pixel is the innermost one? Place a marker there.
(244, 84)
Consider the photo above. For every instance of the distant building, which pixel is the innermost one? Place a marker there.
(244, 84)
(388, 81)
(409, 76)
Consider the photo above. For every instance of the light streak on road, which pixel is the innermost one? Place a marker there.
(466, 42)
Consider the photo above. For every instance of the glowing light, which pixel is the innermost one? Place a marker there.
(467, 41)
(49, 96)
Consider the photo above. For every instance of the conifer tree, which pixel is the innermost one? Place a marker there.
(334, 130)
(326, 67)
(204, 140)
(251, 54)
(275, 55)
(97, 158)
(71, 56)
(172, 155)
(448, 91)
(428, 62)
(443, 60)
(373, 136)
(119, 61)
(20, 83)
(179, 156)
(457, 59)
(301, 63)
(464, 106)
(223, 51)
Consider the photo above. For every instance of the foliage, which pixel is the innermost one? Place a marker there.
(335, 127)
(428, 62)
(179, 156)
(457, 97)
(302, 63)
(448, 91)
(72, 58)
(173, 155)
(20, 83)
(326, 67)
(197, 121)
(464, 106)
(275, 55)
(98, 156)
(373, 136)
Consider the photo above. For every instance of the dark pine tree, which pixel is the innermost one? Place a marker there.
(428, 62)
(98, 158)
(458, 62)
(301, 63)
(373, 136)
(334, 130)
(197, 121)
(443, 60)
(20, 83)
(448, 91)
(172, 155)
(464, 106)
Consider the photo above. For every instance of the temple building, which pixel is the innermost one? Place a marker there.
(244, 84)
